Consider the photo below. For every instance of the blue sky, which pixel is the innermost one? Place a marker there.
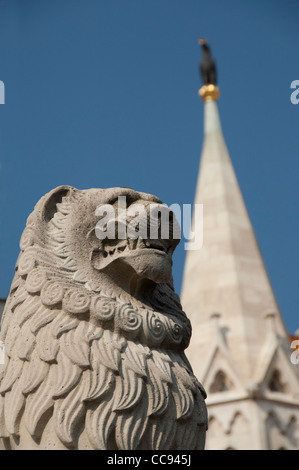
(103, 93)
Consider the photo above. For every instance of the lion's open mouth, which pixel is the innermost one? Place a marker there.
(150, 259)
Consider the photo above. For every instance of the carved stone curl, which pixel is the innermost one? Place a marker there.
(94, 336)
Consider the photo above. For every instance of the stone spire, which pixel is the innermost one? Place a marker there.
(228, 276)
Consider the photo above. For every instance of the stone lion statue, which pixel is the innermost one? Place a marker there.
(94, 336)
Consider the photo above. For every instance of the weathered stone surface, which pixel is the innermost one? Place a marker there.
(94, 337)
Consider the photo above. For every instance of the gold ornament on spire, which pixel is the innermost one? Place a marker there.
(209, 92)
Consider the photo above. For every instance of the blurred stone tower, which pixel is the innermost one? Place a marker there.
(240, 349)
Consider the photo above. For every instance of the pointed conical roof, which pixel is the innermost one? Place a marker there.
(227, 275)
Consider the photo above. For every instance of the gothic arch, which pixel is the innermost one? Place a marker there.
(220, 382)
(276, 384)
(239, 424)
(215, 428)
(282, 435)
(292, 431)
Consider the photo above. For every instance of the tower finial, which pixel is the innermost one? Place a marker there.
(208, 71)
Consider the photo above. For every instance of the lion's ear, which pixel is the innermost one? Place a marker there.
(53, 198)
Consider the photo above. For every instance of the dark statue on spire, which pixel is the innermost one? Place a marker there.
(207, 65)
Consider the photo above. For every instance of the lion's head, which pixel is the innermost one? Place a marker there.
(124, 253)
(94, 333)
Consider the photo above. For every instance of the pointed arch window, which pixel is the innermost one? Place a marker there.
(221, 383)
(275, 383)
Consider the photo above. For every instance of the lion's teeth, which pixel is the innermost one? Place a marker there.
(131, 244)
